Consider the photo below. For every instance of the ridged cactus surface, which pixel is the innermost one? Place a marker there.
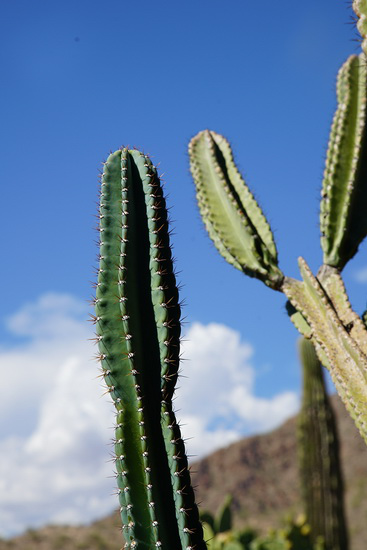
(339, 348)
(231, 214)
(321, 478)
(344, 194)
(138, 332)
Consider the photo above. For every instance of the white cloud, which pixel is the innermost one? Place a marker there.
(216, 401)
(54, 424)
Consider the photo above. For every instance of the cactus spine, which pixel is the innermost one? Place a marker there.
(319, 306)
(321, 478)
(360, 7)
(138, 332)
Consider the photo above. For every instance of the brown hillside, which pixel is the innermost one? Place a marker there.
(261, 474)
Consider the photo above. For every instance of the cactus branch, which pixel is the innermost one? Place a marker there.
(344, 193)
(232, 217)
(345, 359)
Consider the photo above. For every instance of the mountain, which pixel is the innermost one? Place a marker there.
(261, 474)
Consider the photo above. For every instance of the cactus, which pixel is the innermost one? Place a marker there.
(229, 540)
(137, 317)
(219, 533)
(232, 217)
(360, 7)
(344, 193)
(294, 536)
(318, 306)
(222, 522)
(321, 478)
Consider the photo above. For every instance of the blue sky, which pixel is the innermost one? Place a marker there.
(80, 79)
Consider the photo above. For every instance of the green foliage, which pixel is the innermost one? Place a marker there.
(319, 306)
(138, 333)
(223, 522)
(218, 530)
(321, 479)
(207, 519)
(229, 540)
(295, 536)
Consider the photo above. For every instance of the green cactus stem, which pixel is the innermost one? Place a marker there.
(318, 445)
(232, 217)
(344, 194)
(360, 7)
(138, 332)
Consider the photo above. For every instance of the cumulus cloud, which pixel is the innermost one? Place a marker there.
(55, 424)
(216, 401)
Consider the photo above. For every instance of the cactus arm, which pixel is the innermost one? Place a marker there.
(321, 478)
(346, 361)
(304, 328)
(137, 320)
(334, 287)
(233, 219)
(298, 320)
(254, 211)
(360, 7)
(344, 193)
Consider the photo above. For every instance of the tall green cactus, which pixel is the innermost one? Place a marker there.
(138, 332)
(321, 478)
(318, 306)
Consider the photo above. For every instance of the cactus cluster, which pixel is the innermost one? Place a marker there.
(295, 535)
(318, 306)
(219, 532)
(137, 317)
